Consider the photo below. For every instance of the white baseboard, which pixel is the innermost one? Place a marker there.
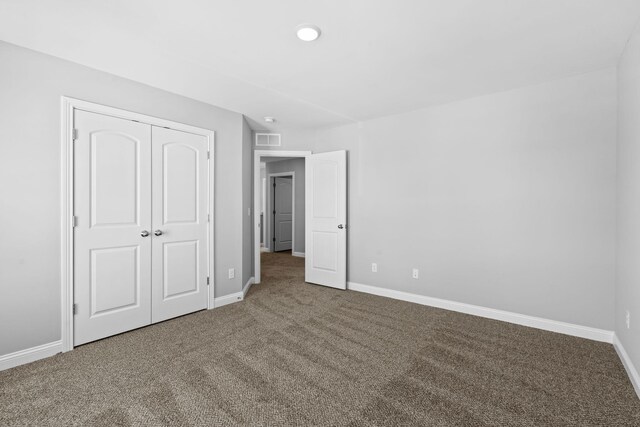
(30, 355)
(247, 286)
(231, 298)
(628, 364)
(265, 249)
(298, 254)
(491, 313)
(227, 299)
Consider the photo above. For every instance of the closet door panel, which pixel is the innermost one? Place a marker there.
(180, 223)
(112, 204)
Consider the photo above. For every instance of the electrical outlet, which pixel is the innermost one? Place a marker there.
(374, 267)
(628, 319)
(232, 273)
(415, 273)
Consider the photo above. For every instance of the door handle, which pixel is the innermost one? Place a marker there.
(144, 233)
(340, 226)
(158, 232)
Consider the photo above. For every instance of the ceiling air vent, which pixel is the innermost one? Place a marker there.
(267, 139)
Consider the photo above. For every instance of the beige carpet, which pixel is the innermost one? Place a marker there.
(299, 354)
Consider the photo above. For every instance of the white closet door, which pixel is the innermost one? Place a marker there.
(180, 171)
(112, 196)
(326, 215)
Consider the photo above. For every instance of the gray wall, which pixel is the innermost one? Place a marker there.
(30, 86)
(628, 255)
(247, 203)
(297, 166)
(504, 201)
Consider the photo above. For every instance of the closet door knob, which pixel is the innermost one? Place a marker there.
(144, 233)
(158, 232)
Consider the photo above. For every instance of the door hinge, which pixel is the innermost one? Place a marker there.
(208, 217)
(274, 212)
(75, 308)
(274, 185)
(274, 239)
(208, 281)
(74, 221)
(208, 154)
(74, 134)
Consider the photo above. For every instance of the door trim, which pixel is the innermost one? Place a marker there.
(292, 174)
(257, 188)
(68, 106)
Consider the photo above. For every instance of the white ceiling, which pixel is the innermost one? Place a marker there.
(374, 58)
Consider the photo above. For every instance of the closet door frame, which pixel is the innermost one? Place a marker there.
(68, 108)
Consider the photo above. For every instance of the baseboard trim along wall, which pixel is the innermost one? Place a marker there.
(227, 299)
(236, 297)
(247, 286)
(490, 313)
(628, 364)
(30, 355)
(298, 254)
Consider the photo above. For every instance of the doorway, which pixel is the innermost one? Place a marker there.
(324, 230)
(269, 165)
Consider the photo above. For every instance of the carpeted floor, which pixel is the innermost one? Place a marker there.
(299, 354)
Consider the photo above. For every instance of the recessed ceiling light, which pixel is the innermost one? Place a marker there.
(307, 32)
(270, 119)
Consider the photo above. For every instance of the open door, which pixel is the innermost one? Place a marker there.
(326, 215)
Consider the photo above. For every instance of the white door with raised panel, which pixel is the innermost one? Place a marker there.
(283, 213)
(180, 223)
(112, 245)
(326, 215)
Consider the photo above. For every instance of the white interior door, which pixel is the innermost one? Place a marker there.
(283, 213)
(180, 169)
(326, 215)
(112, 247)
